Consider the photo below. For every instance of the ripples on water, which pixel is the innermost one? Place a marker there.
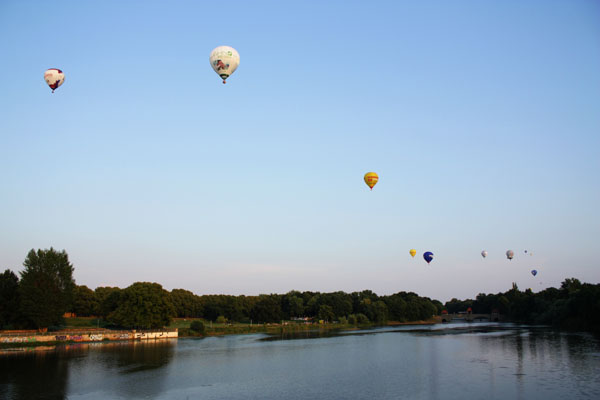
(453, 361)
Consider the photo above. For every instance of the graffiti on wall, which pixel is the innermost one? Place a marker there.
(18, 339)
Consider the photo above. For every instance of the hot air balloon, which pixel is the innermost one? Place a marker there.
(510, 254)
(54, 77)
(371, 179)
(413, 252)
(428, 256)
(224, 60)
(484, 254)
(533, 272)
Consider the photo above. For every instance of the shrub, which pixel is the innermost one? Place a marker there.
(197, 326)
(221, 320)
(362, 319)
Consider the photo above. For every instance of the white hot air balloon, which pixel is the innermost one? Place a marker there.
(484, 254)
(510, 254)
(224, 60)
(54, 77)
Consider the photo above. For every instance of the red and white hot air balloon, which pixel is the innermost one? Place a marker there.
(54, 77)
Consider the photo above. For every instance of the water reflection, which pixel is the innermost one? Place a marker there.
(54, 372)
(453, 361)
(39, 375)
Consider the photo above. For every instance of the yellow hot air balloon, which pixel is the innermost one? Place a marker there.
(371, 179)
(413, 252)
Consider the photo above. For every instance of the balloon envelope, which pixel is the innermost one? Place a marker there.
(371, 179)
(54, 77)
(533, 272)
(510, 254)
(413, 252)
(428, 256)
(224, 60)
(484, 254)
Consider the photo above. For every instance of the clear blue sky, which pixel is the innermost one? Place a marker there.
(481, 118)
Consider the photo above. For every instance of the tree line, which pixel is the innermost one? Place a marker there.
(46, 290)
(574, 306)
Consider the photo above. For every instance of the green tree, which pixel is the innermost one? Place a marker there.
(326, 313)
(396, 307)
(313, 304)
(108, 300)
(198, 326)
(267, 309)
(380, 312)
(570, 286)
(340, 302)
(143, 305)
(84, 301)
(9, 299)
(186, 303)
(292, 305)
(362, 319)
(46, 287)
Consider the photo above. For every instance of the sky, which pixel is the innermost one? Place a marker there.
(481, 118)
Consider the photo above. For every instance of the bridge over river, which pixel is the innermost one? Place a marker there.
(470, 317)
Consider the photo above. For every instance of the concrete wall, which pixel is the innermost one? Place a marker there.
(84, 336)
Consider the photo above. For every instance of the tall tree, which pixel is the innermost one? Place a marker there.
(143, 305)
(267, 309)
(108, 300)
(186, 303)
(9, 299)
(85, 302)
(46, 287)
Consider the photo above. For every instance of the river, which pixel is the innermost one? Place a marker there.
(450, 361)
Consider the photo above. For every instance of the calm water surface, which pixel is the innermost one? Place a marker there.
(455, 361)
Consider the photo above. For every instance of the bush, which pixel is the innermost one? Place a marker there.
(362, 319)
(343, 320)
(221, 320)
(352, 319)
(197, 326)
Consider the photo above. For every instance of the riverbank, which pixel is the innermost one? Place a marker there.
(35, 338)
(278, 328)
(178, 328)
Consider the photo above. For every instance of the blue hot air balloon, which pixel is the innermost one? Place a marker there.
(533, 272)
(428, 256)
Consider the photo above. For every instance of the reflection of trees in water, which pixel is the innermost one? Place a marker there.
(140, 355)
(583, 353)
(145, 359)
(34, 375)
(86, 367)
(543, 356)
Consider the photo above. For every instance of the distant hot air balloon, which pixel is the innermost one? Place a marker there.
(533, 272)
(413, 252)
(371, 179)
(54, 77)
(510, 254)
(428, 256)
(224, 60)
(484, 254)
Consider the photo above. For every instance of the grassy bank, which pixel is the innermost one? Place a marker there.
(214, 329)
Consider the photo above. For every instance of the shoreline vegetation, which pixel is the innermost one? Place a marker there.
(25, 303)
(184, 331)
